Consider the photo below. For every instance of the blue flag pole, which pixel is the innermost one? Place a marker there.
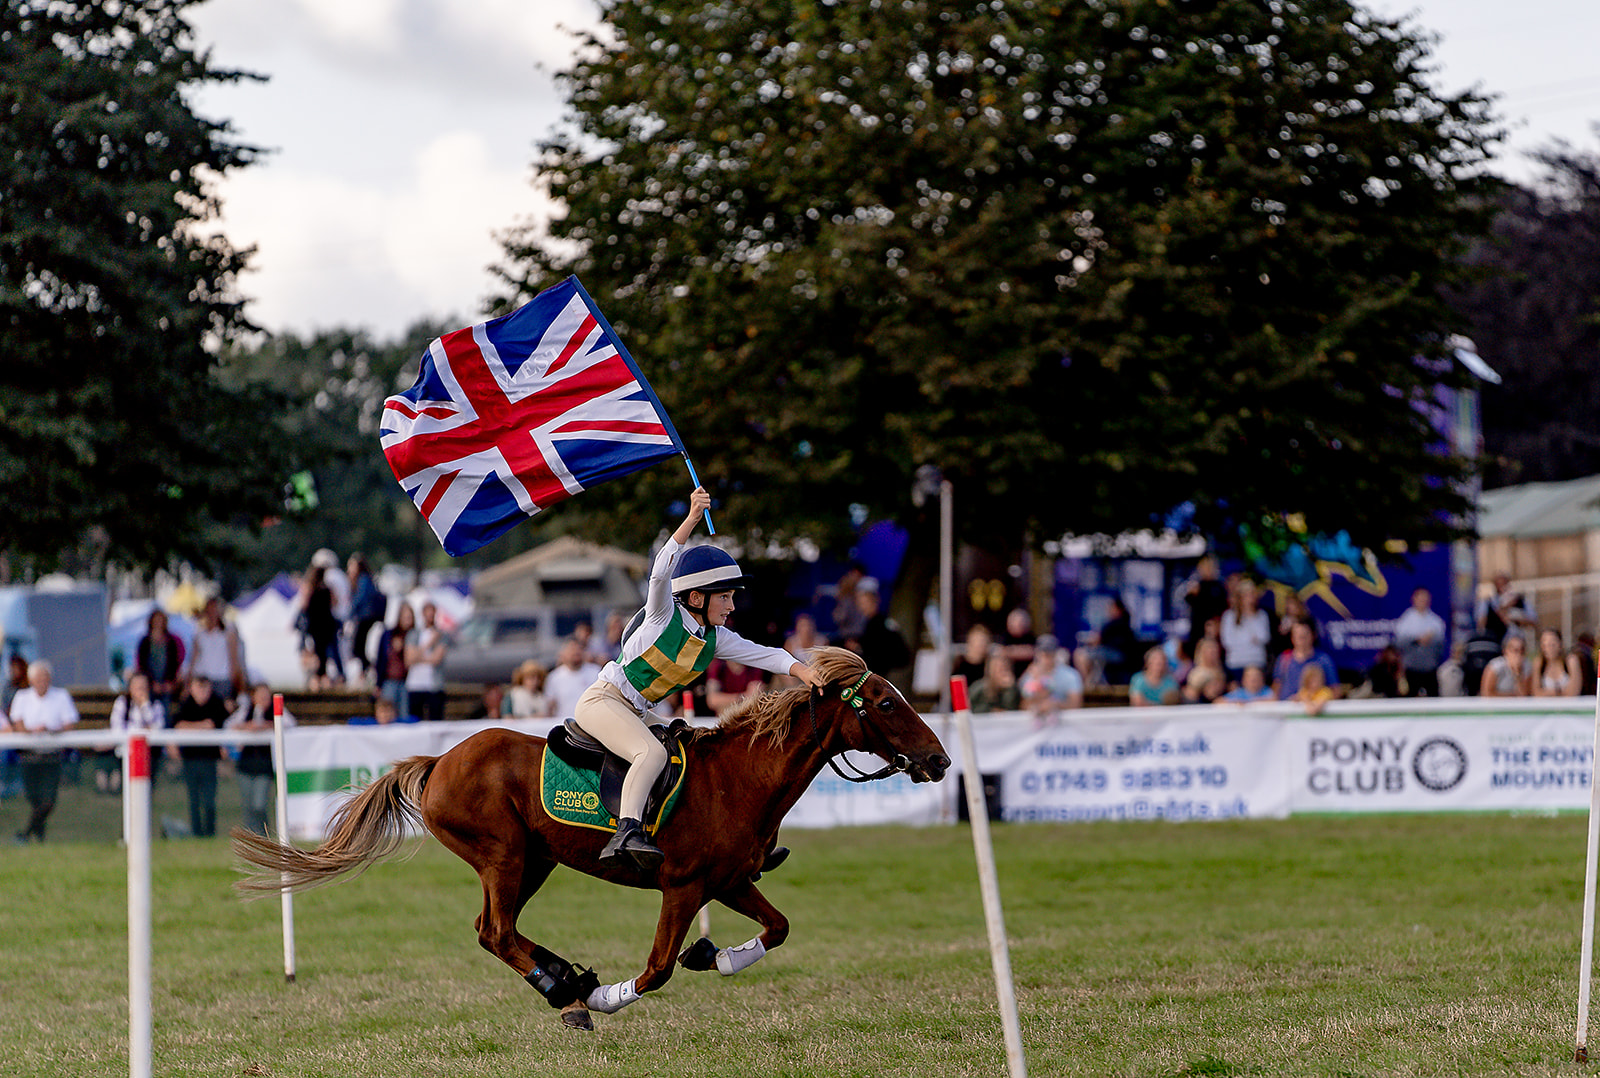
(695, 479)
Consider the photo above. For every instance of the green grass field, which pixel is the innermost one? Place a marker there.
(1425, 945)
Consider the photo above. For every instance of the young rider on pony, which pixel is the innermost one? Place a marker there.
(686, 610)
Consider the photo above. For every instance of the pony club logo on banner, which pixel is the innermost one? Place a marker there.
(512, 415)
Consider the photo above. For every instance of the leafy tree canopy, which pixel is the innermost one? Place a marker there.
(1535, 316)
(113, 296)
(1093, 260)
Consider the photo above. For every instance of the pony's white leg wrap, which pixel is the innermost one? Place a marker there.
(611, 998)
(731, 960)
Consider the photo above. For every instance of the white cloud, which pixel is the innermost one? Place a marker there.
(335, 251)
(368, 24)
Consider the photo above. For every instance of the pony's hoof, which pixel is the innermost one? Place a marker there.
(699, 956)
(576, 1016)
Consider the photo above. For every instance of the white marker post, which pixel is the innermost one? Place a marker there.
(137, 817)
(1586, 951)
(988, 882)
(280, 772)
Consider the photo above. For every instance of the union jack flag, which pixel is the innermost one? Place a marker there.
(512, 415)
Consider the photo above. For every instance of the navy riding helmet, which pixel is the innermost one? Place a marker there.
(707, 568)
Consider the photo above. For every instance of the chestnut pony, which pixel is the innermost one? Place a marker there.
(481, 800)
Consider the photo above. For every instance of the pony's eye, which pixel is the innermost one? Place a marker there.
(886, 704)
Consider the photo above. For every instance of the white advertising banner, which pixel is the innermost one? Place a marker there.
(1432, 759)
(1136, 764)
(325, 762)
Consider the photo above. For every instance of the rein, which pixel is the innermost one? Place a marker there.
(852, 695)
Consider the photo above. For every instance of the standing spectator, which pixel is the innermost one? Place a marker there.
(1154, 684)
(1246, 630)
(997, 689)
(216, 655)
(40, 708)
(1556, 671)
(570, 680)
(847, 618)
(1207, 679)
(159, 657)
(1017, 637)
(393, 647)
(1302, 652)
(1119, 645)
(609, 646)
(1420, 635)
(424, 679)
(321, 629)
(254, 766)
(1503, 610)
(10, 759)
(1294, 611)
(338, 582)
(527, 699)
(1508, 673)
(136, 709)
(729, 682)
(1050, 685)
(368, 606)
(1207, 598)
(882, 645)
(802, 638)
(202, 709)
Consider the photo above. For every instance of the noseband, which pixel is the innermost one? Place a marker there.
(851, 694)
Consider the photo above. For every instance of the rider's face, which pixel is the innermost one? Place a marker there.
(718, 607)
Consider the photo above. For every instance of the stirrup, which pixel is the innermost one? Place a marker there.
(630, 839)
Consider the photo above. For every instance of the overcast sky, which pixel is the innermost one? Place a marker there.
(401, 133)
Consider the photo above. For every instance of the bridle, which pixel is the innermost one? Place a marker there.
(851, 695)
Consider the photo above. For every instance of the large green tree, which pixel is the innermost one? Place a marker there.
(1093, 259)
(115, 294)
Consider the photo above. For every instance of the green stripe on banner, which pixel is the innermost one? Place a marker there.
(323, 781)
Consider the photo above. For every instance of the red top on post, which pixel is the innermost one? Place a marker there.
(138, 757)
(958, 692)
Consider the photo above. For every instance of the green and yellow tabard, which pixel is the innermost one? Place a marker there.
(673, 662)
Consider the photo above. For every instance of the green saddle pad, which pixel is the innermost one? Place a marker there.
(579, 796)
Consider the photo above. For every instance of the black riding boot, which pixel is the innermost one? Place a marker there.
(630, 839)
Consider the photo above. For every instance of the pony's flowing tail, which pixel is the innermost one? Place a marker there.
(367, 828)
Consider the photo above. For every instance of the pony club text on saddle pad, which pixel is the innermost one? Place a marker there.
(581, 787)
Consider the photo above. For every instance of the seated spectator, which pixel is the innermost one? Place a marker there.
(1154, 684)
(1302, 651)
(728, 683)
(491, 706)
(254, 766)
(1119, 645)
(1453, 671)
(1508, 673)
(1314, 691)
(1556, 671)
(1050, 685)
(527, 698)
(384, 713)
(40, 708)
(1252, 687)
(1018, 638)
(1207, 680)
(1387, 676)
(973, 659)
(997, 690)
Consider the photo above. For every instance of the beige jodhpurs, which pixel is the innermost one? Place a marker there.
(608, 718)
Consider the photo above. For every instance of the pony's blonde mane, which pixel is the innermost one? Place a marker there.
(768, 715)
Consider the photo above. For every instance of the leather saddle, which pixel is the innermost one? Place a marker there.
(583, 753)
